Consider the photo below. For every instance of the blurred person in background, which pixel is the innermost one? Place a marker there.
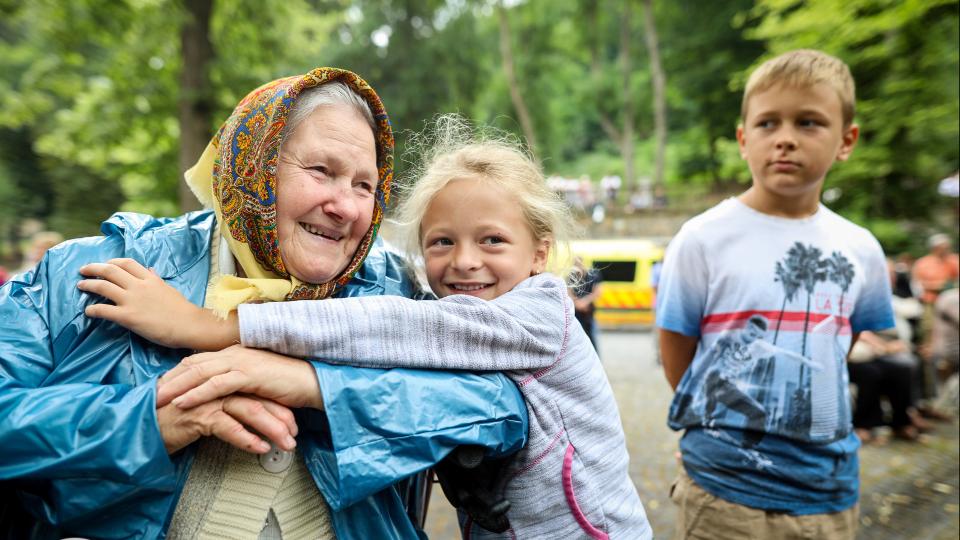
(585, 288)
(655, 269)
(933, 273)
(903, 286)
(39, 244)
(882, 364)
(945, 348)
(295, 182)
(937, 270)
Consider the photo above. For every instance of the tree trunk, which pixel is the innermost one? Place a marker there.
(714, 161)
(623, 139)
(15, 255)
(659, 85)
(194, 106)
(626, 143)
(840, 315)
(506, 52)
(596, 73)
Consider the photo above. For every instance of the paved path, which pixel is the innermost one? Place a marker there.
(909, 490)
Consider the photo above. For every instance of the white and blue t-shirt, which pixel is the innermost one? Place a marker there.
(775, 303)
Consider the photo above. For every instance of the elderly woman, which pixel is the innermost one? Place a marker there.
(298, 178)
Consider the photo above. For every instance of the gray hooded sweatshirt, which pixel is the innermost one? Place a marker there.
(571, 480)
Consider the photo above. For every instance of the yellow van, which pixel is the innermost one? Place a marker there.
(627, 297)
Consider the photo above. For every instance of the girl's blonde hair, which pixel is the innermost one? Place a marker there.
(452, 149)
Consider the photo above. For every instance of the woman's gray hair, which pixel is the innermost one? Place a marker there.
(332, 93)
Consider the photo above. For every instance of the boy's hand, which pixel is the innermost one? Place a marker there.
(676, 354)
(145, 304)
(205, 377)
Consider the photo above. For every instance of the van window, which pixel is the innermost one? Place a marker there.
(616, 270)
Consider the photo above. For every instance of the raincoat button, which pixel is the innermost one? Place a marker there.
(276, 460)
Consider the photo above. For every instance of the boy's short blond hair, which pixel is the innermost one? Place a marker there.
(803, 68)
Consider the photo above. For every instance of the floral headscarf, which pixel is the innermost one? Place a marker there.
(237, 176)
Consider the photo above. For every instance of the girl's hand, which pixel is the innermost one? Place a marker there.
(205, 377)
(145, 304)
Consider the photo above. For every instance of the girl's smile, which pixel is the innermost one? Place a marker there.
(476, 241)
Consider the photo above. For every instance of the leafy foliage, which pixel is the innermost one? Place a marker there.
(89, 90)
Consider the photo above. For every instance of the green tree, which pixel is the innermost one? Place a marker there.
(841, 272)
(703, 53)
(904, 58)
(94, 87)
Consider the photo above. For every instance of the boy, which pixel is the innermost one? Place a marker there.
(760, 300)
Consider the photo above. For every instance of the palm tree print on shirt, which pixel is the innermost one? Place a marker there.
(804, 267)
(785, 275)
(841, 272)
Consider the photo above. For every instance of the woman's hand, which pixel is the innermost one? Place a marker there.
(145, 304)
(208, 376)
(228, 420)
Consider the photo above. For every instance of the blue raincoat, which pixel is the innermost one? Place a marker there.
(80, 449)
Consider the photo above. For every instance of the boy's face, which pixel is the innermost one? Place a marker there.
(477, 242)
(791, 136)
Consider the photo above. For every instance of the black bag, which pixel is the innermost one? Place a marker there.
(469, 482)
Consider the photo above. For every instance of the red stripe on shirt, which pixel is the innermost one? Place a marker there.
(790, 321)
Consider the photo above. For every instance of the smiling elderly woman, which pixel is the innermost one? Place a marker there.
(297, 179)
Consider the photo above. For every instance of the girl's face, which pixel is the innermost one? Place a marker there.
(476, 241)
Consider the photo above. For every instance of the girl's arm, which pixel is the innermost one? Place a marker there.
(525, 328)
(148, 306)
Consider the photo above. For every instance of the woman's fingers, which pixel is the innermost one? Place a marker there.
(188, 374)
(290, 382)
(180, 428)
(283, 414)
(187, 364)
(213, 388)
(253, 413)
(197, 369)
(224, 427)
(242, 421)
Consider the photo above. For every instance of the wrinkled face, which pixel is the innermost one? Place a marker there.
(791, 136)
(476, 241)
(326, 181)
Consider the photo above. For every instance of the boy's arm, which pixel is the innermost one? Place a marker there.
(676, 353)
(873, 308)
(525, 328)
(681, 301)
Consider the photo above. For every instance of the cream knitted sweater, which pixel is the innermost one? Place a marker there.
(229, 495)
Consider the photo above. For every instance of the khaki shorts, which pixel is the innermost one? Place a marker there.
(704, 516)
